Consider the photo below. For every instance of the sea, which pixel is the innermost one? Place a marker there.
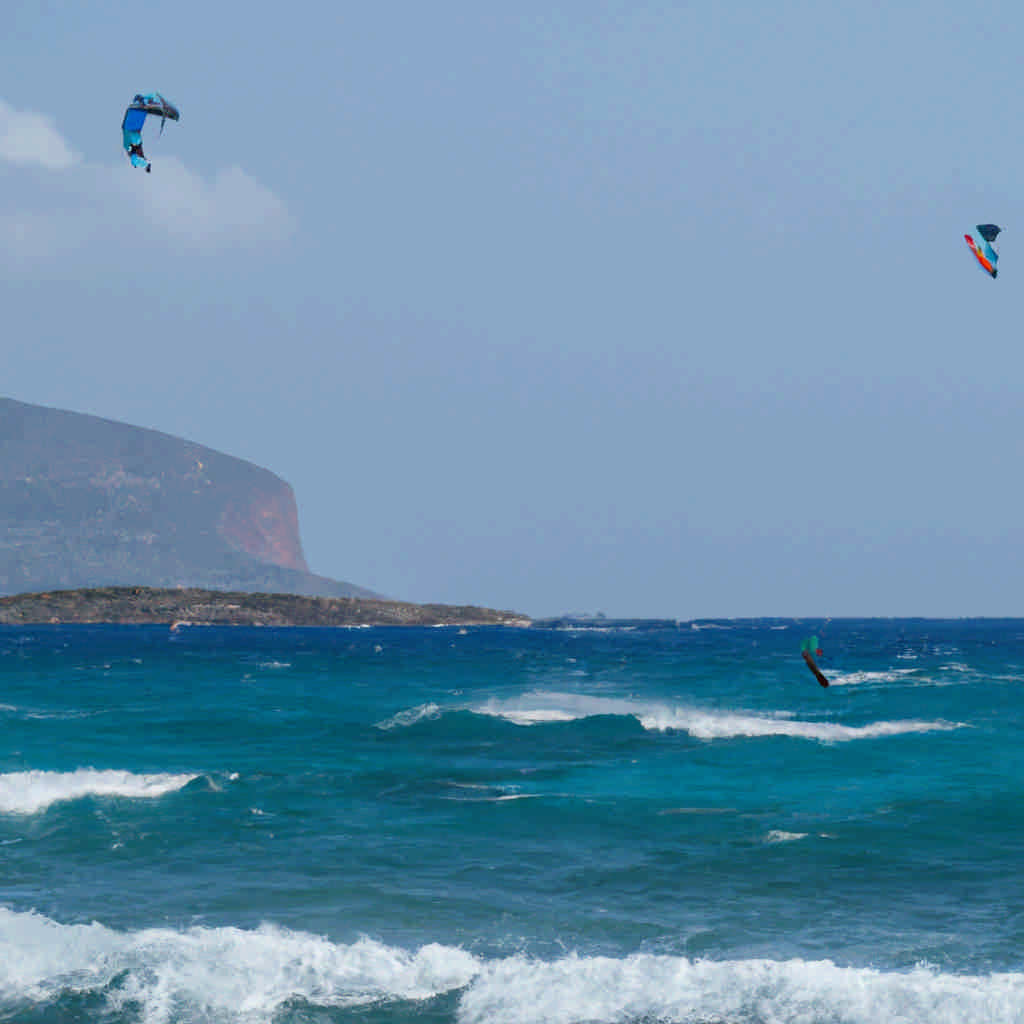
(594, 822)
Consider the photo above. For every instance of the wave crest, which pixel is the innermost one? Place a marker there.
(33, 791)
(666, 988)
(422, 712)
(221, 974)
(230, 974)
(541, 707)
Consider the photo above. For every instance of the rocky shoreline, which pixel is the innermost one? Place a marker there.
(195, 607)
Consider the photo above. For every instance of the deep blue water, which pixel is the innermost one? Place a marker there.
(668, 823)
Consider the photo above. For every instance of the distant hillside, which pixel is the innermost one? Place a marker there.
(87, 502)
(147, 605)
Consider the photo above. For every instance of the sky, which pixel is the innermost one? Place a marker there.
(576, 306)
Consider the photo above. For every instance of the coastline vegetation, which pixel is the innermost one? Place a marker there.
(191, 606)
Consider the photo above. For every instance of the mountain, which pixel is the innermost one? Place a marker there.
(89, 502)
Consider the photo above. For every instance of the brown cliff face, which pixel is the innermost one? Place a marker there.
(90, 502)
(267, 528)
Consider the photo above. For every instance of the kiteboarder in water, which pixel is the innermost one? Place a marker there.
(809, 648)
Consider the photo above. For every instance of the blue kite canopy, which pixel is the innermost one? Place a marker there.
(140, 107)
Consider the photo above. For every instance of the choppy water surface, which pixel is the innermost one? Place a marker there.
(661, 823)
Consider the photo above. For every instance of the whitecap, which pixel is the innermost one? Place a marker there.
(780, 836)
(411, 716)
(540, 707)
(727, 725)
(222, 974)
(669, 988)
(229, 974)
(893, 675)
(33, 791)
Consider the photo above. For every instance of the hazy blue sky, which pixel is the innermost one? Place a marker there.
(649, 308)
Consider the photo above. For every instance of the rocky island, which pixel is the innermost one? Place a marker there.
(195, 607)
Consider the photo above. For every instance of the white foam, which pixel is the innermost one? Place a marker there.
(62, 715)
(34, 791)
(482, 793)
(779, 836)
(894, 675)
(666, 988)
(541, 707)
(230, 974)
(215, 974)
(537, 708)
(411, 716)
(725, 725)
(503, 798)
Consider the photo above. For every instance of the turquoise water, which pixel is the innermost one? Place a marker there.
(662, 823)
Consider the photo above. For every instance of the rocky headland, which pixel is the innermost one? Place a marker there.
(88, 502)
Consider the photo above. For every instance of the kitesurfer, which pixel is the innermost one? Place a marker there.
(136, 150)
(808, 649)
(141, 107)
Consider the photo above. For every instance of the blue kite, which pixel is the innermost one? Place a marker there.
(135, 117)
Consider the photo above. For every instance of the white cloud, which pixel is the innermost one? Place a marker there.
(230, 207)
(54, 222)
(27, 138)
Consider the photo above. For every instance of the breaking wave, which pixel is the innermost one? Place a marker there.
(33, 791)
(271, 973)
(543, 707)
(410, 717)
(213, 974)
(668, 988)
